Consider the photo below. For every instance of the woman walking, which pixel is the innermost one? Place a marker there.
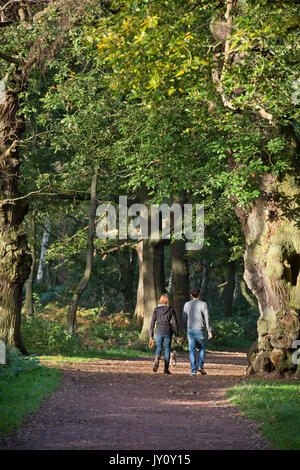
(162, 317)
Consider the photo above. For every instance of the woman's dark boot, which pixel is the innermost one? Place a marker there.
(156, 363)
(166, 371)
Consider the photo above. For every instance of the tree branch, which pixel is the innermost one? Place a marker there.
(76, 195)
(217, 77)
(103, 253)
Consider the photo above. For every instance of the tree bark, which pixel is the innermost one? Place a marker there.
(15, 258)
(150, 259)
(159, 267)
(229, 290)
(180, 278)
(151, 293)
(272, 264)
(89, 260)
(126, 266)
(139, 307)
(180, 272)
(148, 252)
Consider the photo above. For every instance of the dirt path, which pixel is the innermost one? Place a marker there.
(120, 405)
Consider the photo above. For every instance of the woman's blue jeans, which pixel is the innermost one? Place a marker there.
(163, 340)
(196, 339)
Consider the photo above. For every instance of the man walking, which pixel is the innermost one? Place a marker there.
(194, 319)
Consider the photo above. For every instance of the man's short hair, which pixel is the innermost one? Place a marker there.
(195, 292)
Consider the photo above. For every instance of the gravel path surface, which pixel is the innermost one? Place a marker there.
(119, 404)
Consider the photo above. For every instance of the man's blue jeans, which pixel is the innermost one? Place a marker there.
(160, 340)
(196, 339)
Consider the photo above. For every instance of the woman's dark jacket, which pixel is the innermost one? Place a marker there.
(162, 317)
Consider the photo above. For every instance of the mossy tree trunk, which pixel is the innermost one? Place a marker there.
(15, 258)
(272, 264)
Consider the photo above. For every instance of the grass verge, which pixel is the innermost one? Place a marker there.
(94, 355)
(275, 406)
(22, 395)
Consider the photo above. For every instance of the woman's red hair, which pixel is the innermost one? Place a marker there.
(164, 299)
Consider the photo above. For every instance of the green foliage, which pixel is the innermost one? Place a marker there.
(97, 335)
(236, 332)
(109, 335)
(17, 363)
(161, 53)
(132, 93)
(275, 406)
(36, 302)
(227, 328)
(43, 336)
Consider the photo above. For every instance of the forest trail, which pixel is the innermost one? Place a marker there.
(122, 404)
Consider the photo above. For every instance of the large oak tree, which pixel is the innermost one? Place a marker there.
(236, 63)
(31, 33)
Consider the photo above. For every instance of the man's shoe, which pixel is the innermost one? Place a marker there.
(202, 371)
(193, 373)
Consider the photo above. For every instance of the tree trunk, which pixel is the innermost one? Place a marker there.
(15, 259)
(149, 287)
(170, 281)
(44, 249)
(237, 284)
(179, 265)
(251, 301)
(126, 267)
(89, 260)
(61, 274)
(159, 267)
(229, 290)
(151, 294)
(149, 274)
(139, 307)
(272, 264)
(180, 278)
(204, 280)
(29, 308)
